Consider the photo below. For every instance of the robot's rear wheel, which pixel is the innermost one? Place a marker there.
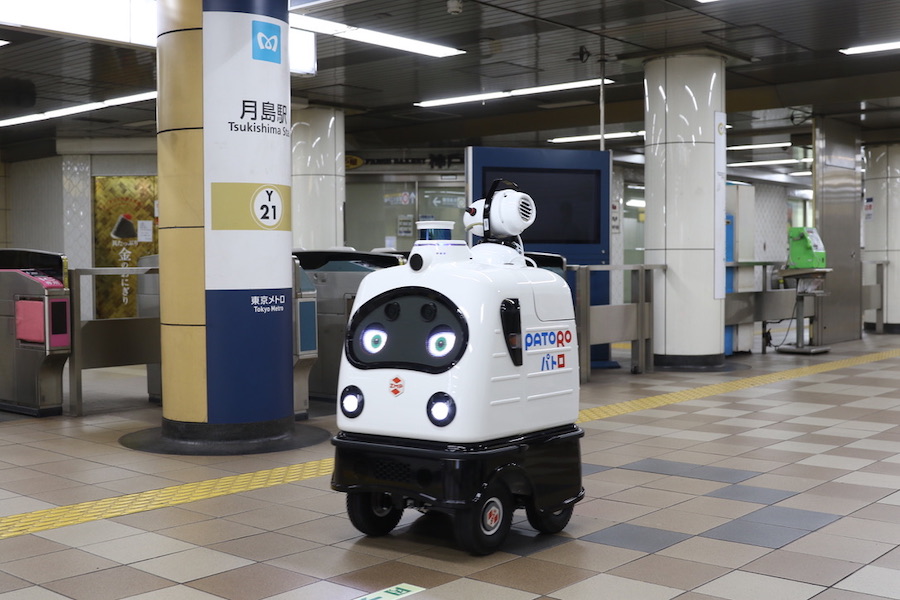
(373, 513)
(482, 528)
(548, 522)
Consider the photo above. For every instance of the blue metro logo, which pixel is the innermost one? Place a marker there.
(267, 42)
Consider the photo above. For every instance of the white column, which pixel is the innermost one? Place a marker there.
(317, 178)
(683, 95)
(881, 227)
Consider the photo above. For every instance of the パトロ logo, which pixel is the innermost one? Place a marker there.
(267, 41)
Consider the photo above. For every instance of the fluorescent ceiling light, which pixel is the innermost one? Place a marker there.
(74, 110)
(589, 138)
(3, 42)
(542, 89)
(767, 163)
(800, 174)
(637, 203)
(871, 48)
(760, 146)
(371, 37)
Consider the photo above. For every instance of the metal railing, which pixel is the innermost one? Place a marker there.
(609, 323)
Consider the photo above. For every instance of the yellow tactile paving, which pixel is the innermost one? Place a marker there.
(621, 408)
(107, 508)
(51, 518)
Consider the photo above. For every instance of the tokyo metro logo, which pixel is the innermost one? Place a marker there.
(267, 42)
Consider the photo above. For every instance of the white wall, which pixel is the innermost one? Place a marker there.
(34, 195)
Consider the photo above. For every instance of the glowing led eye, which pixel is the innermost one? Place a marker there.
(441, 342)
(373, 338)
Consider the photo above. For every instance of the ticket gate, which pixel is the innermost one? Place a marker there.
(337, 275)
(35, 330)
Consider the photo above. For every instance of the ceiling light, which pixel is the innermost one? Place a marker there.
(871, 48)
(800, 174)
(760, 146)
(371, 37)
(636, 203)
(556, 87)
(589, 138)
(767, 163)
(3, 42)
(74, 110)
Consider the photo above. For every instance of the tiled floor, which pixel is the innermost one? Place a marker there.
(786, 490)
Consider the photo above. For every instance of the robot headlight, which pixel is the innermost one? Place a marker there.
(441, 409)
(352, 401)
(373, 338)
(441, 341)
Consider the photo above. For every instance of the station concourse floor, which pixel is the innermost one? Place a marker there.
(775, 480)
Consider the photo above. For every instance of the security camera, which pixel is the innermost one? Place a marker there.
(454, 7)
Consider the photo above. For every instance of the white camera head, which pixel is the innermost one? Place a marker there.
(500, 215)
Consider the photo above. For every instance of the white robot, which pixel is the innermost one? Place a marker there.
(459, 385)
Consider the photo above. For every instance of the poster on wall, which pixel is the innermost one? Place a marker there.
(125, 229)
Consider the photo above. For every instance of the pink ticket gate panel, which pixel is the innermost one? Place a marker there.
(35, 331)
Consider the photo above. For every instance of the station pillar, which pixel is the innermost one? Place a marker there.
(685, 194)
(881, 222)
(318, 178)
(225, 226)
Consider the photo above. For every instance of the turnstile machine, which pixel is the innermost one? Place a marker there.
(35, 330)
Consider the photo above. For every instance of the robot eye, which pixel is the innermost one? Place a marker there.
(441, 341)
(392, 311)
(373, 338)
(428, 311)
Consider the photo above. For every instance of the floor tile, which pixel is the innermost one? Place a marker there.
(749, 493)
(537, 576)
(107, 584)
(91, 532)
(136, 548)
(791, 517)
(807, 568)
(57, 565)
(616, 587)
(670, 572)
(878, 581)
(585, 555)
(739, 585)
(635, 537)
(264, 546)
(191, 564)
(319, 591)
(325, 562)
(469, 588)
(253, 582)
(755, 534)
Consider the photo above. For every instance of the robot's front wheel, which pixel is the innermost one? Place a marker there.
(373, 513)
(482, 528)
(548, 522)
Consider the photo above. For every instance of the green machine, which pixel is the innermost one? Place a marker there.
(805, 249)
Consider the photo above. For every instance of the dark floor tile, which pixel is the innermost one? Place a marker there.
(721, 474)
(663, 467)
(590, 469)
(749, 493)
(791, 517)
(755, 534)
(635, 537)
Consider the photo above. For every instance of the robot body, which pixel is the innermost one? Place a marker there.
(458, 392)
